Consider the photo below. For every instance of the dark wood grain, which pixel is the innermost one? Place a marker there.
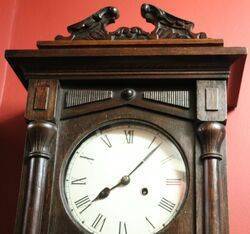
(41, 102)
(40, 138)
(166, 26)
(77, 86)
(129, 43)
(211, 135)
(211, 106)
(138, 101)
(137, 61)
(75, 129)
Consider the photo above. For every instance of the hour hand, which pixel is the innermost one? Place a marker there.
(106, 191)
(103, 194)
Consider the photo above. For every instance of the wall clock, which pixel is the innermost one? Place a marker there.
(148, 179)
(126, 129)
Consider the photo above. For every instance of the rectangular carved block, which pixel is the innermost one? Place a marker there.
(211, 100)
(41, 103)
(41, 98)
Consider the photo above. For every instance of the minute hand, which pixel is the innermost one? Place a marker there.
(148, 155)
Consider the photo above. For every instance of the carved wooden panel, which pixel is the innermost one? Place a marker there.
(173, 97)
(211, 100)
(41, 103)
(76, 97)
(41, 97)
(211, 135)
(80, 101)
(166, 26)
(41, 138)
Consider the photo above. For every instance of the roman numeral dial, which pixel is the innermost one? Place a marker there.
(125, 178)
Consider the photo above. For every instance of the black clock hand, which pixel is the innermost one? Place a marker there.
(125, 179)
(148, 155)
(106, 191)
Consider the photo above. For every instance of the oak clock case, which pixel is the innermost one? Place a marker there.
(145, 125)
(155, 182)
(126, 129)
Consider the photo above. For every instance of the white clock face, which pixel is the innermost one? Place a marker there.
(127, 178)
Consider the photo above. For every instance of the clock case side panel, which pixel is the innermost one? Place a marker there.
(199, 191)
(211, 101)
(72, 129)
(41, 110)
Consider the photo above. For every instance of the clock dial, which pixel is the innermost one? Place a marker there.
(127, 178)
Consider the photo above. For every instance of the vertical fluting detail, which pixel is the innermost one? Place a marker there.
(41, 138)
(173, 97)
(211, 135)
(76, 97)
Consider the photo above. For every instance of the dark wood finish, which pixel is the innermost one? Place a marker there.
(173, 84)
(40, 140)
(77, 97)
(74, 129)
(138, 100)
(135, 63)
(166, 26)
(42, 97)
(211, 100)
(211, 135)
(129, 43)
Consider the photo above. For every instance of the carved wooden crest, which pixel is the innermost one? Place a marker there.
(166, 26)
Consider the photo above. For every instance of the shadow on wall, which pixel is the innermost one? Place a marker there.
(12, 137)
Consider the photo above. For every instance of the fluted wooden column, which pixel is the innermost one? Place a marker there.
(211, 135)
(41, 136)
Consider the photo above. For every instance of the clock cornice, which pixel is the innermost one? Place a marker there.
(174, 59)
